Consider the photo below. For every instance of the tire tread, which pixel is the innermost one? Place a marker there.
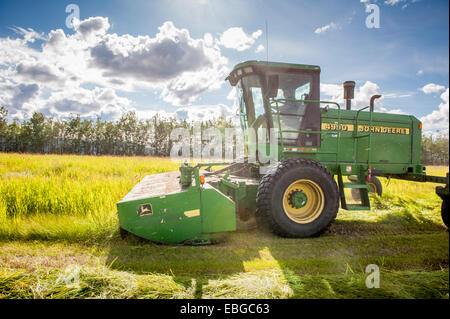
(263, 197)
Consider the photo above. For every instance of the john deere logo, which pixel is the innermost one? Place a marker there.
(145, 210)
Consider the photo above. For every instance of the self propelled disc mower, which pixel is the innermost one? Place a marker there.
(323, 150)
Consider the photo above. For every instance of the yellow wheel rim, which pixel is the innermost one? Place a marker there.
(303, 201)
(373, 187)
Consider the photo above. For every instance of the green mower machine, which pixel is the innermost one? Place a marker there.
(318, 144)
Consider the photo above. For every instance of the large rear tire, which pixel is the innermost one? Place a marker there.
(444, 211)
(298, 198)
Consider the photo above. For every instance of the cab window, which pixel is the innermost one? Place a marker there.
(294, 113)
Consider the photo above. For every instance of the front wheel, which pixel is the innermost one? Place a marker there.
(299, 198)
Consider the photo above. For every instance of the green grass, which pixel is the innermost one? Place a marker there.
(57, 215)
(67, 197)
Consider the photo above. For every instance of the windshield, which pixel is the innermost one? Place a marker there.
(251, 103)
(294, 115)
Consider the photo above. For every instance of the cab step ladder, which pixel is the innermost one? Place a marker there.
(361, 185)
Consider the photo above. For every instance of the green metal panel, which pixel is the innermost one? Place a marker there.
(389, 143)
(196, 213)
(416, 144)
(167, 223)
(218, 212)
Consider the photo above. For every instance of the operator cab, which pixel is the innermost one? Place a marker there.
(277, 95)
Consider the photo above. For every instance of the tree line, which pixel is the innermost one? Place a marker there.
(128, 136)
(435, 150)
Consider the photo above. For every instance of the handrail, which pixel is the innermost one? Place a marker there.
(369, 135)
(278, 113)
(355, 133)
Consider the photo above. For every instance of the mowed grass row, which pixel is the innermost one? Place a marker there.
(57, 214)
(104, 283)
(249, 265)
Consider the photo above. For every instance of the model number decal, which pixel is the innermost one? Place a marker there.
(365, 128)
(334, 127)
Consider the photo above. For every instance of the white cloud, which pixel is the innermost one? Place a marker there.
(420, 72)
(432, 88)
(16, 97)
(397, 95)
(232, 95)
(203, 112)
(328, 27)
(443, 133)
(39, 72)
(92, 26)
(176, 65)
(438, 119)
(332, 90)
(208, 39)
(98, 102)
(363, 93)
(13, 51)
(393, 2)
(406, 3)
(192, 113)
(259, 49)
(29, 35)
(165, 57)
(236, 38)
(182, 67)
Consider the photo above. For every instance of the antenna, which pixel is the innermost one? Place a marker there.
(267, 42)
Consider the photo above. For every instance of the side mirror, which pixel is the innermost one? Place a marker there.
(272, 86)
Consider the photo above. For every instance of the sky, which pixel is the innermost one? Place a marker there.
(104, 58)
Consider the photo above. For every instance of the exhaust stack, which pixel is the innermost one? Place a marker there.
(349, 93)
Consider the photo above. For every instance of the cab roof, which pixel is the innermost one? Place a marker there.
(258, 67)
(277, 65)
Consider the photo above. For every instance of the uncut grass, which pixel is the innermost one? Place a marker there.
(67, 197)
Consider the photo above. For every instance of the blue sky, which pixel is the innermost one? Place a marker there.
(406, 59)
